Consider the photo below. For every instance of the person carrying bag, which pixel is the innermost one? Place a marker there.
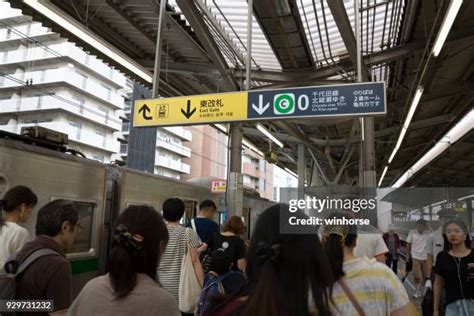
(189, 286)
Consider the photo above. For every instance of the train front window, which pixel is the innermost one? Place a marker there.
(83, 241)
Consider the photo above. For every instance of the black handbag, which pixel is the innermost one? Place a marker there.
(427, 303)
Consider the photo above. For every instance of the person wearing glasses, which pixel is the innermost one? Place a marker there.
(49, 277)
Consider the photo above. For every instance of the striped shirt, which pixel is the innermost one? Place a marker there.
(169, 269)
(375, 287)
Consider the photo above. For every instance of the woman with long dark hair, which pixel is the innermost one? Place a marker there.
(17, 205)
(288, 274)
(130, 287)
(362, 286)
(455, 271)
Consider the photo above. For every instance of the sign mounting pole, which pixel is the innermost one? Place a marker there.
(156, 70)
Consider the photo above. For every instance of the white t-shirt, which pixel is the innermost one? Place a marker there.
(435, 244)
(418, 244)
(12, 238)
(369, 245)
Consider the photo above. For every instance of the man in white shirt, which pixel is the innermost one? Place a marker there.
(417, 240)
(370, 244)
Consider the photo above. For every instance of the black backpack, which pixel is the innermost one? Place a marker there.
(13, 269)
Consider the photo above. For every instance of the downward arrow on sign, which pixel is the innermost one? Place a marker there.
(188, 113)
(260, 109)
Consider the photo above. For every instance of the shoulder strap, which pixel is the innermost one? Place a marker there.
(33, 257)
(193, 225)
(351, 297)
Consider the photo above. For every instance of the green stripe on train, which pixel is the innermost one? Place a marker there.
(83, 266)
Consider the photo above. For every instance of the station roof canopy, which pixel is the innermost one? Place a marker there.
(301, 43)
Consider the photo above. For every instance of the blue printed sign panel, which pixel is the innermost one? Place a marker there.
(355, 99)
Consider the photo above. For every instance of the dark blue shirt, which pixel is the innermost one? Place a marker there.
(205, 228)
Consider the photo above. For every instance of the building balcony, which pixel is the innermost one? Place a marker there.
(63, 51)
(173, 147)
(172, 164)
(71, 77)
(50, 103)
(180, 132)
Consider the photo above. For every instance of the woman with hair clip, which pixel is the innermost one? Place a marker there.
(455, 270)
(285, 273)
(17, 205)
(362, 286)
(130, 287)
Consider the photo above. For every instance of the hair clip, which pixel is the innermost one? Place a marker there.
(127, 240)
(267, 251)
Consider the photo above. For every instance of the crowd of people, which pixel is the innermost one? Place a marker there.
(157, 266)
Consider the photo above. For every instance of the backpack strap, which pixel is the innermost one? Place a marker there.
(33, 257)
(351, 297)
(193, 225)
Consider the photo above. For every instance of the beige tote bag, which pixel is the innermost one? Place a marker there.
(189, 287)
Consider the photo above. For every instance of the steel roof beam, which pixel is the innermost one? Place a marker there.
(344, 26)
(195, 19)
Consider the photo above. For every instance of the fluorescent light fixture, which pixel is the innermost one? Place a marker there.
(80, 31)
(411, 112)
(291, 172)
(464, 126)
(251, 146)
(221, 127)
(267, 133)
(394, 152)
(383, 175)
(414, 105)
(448, 21)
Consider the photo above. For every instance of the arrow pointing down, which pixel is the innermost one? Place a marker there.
(260, 109)
(188, 113)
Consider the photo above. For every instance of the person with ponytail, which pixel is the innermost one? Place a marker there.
(16, 205)
(362, 286)
(130, 287)
(287, 274)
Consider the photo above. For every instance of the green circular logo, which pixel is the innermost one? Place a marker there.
(284, 104)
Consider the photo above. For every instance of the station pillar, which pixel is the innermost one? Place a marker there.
(301, 170)
(368, 156)
(235, 192)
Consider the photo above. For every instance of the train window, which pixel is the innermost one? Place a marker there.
(83, 242)
(190, 210)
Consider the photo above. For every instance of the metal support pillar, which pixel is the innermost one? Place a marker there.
(235, 182)
(367, 152)
(235, 191)
(157, 67)
(301, 170)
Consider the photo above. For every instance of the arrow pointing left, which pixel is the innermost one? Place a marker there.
(144, 110)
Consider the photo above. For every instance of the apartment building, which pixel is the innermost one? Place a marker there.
(209, 153)
(257, 173)
(50, 82)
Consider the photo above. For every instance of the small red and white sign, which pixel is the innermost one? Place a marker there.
(218, 186)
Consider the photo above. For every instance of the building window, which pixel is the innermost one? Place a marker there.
(123, 148)
(78, 128)
(107, 91)
(82, 80)
(98, 157)
(81, 102)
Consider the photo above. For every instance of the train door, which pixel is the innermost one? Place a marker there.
(190, 209)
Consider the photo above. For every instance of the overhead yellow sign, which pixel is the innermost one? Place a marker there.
(198, 109)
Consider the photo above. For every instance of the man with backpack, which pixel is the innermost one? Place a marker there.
(221, 280)
(205, 227)
(41, 270)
